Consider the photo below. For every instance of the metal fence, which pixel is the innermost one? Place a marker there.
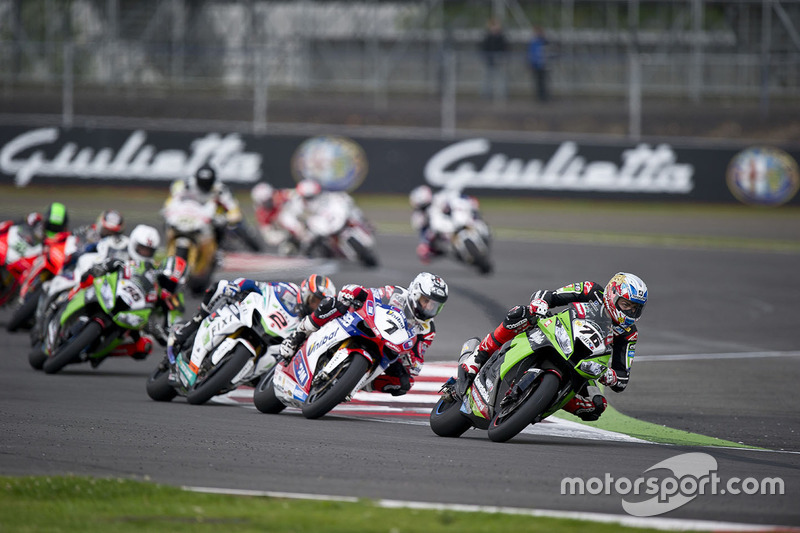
(696, 49)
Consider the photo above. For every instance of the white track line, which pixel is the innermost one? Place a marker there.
(666, 524)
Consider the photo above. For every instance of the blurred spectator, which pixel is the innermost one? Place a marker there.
(537, 61)
(494, 48)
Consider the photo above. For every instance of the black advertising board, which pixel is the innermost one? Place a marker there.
(619, 170)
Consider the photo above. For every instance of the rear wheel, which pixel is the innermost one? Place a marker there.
(509, 420)
(365, 255)
(447, 420)
(333, 391)
(219, 378)
(158, 386)
(264, 396)
(71, 350)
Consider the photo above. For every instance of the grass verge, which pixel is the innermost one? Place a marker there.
(86, 505)
(613, 420)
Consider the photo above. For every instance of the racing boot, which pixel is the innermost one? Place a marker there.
(185, 332)
(469, 368)
(424, 252)
(290, 345)
(586, 409)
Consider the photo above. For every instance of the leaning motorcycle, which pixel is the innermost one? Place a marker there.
(106, 317)
(233, 346)
(18, 250)
(190, 235)
(43, 269)
(463, 235)
(340, 229)
(530, 377)
(338, 360)
(56, 291)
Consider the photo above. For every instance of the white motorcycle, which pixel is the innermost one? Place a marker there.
(462, 234)
(234, 346)
(340, 229)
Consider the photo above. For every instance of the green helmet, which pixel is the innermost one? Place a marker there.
(56, 220)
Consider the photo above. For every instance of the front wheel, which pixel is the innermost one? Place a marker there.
(219, 378)
(264, 396)
(23, 316)
(37, 357)
(479, 259)
(447, 420)
(509, 421)
(333, 391)
(158, 386)
(70, 351)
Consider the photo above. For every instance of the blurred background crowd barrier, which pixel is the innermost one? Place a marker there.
(627, 67)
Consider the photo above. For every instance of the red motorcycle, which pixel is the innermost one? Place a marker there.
(43, 268)
(19, 247)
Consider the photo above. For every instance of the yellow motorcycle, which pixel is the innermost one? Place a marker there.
(190, 235)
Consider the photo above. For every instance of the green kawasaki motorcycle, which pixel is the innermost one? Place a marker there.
(530, 377)
(104, 318)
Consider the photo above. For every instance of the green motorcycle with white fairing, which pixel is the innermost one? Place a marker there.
(531, 377)
(235, 345)
(105, 318)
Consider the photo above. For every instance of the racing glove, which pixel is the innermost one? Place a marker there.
(616, 379)
(517, 319)
(351, 296)
(539, 307)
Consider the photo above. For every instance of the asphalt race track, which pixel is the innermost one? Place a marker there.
(735, 308)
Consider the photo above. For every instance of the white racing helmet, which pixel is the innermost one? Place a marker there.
(143, 242)
(427, 295)
(420, 197)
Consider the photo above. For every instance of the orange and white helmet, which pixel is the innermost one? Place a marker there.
(313, 290)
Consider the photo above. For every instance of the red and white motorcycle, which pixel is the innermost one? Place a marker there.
(19, 248)
(341, 358)
(339, 229)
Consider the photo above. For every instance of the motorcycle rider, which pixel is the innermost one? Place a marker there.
(267, 202)
(167, 280)
(109, 222)
(202, 187)
(310, 293)
(623, 298)
(420, 302)
(56, 223)
(427, 206)
(292, 217)
(107, 228)
(59, 244)
(31, 228)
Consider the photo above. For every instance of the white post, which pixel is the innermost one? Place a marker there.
(67, 85)
(449, 93)
(634, 96)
